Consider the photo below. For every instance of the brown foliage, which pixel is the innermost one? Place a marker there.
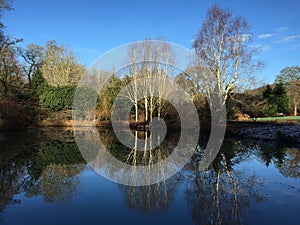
(13, 115)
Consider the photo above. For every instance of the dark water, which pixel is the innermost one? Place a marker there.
(45, 180)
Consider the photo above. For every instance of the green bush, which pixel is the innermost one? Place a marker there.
(85, 102)
(231, 109)
(56, 98)
(61, 98)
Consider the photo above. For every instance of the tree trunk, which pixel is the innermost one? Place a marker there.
(159, 109)
(136, 112)
(146, 108)
(135, 99)
(29, 79)
(151, 108)
(295, 110)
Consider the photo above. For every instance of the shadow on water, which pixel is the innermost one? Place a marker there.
(48, 163)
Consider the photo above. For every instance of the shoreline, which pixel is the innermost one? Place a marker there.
(252, 130)
(265, 131)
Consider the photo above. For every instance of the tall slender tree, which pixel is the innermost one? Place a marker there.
(149, 60)
(223, 46)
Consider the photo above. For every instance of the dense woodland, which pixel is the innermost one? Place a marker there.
(39, 82)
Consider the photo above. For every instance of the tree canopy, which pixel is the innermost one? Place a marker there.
(60, 67)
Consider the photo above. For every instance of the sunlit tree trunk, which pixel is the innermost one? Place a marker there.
(146, 108)
(147, 59)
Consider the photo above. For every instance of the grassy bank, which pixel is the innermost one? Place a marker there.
(280, 119)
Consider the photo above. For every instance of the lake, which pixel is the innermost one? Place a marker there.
(45, 180)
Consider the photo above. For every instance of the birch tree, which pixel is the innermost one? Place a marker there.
(149, 59)
(223, 46)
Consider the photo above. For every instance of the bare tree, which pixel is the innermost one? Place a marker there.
(9, 65)
(60, 67)
(149, 59)
(4, 5)
(223, 47)
(33, 56)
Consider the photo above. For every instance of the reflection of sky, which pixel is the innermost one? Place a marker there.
(270, 173)
(282, 194)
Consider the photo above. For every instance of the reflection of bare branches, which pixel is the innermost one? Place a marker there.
(146, 155)
(11, 178)
(59, 183)
(219, 194)
(151, 198)
(154, 197)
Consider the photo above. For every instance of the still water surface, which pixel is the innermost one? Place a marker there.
(45, 180)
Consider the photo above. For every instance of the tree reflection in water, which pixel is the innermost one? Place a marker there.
(156, 197)
(220, 194)
(52, 168)
(58, 183)
(290, 166)
(36, 165)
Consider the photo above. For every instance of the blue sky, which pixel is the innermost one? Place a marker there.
(93, 27)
